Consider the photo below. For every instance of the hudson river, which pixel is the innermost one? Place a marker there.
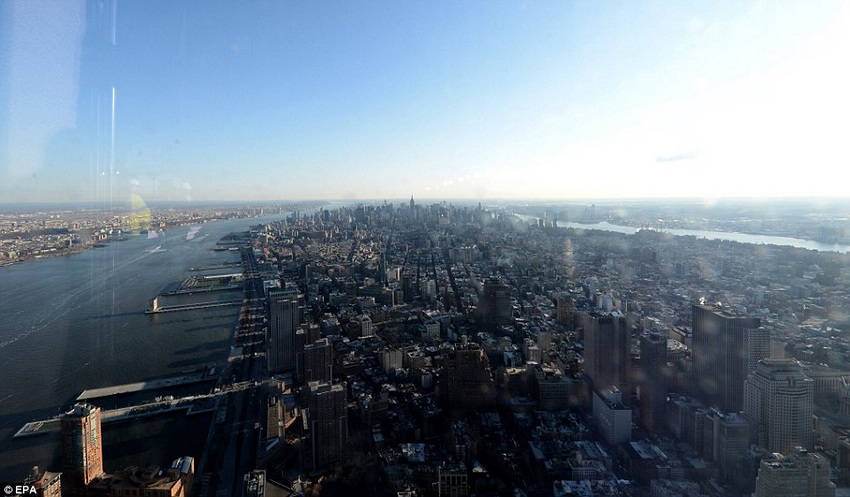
(77, 322)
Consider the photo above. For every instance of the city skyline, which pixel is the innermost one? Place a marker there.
(475, 101)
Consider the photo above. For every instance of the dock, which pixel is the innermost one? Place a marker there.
(190, 291)
(219, 266)
(194, 404)
(156, 308)
(175, 381)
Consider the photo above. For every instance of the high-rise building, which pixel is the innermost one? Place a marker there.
(328, 418)
(720, 356)
(318, 362)
(283, 321)
(494, 306)
(612, 418)
(729, 441)
(607, 351)
(653, 383)
(802, 474)
(82, 447)
(780, 405)
(468, 379)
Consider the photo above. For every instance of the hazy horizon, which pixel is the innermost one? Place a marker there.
(474, 100)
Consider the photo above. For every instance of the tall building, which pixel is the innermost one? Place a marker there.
(653, 383)
(607, 351)
(283, 321)
(799, 475)
(612, 418)
(328, 418)
(720, 356)
(494, 306)
(729, 441)
(318, 362)
(468, 379)
(82, 447)
(780, 405)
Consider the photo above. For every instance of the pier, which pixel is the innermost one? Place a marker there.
(156, 308)
(190, 291)
(219, 266)
(175, 381)
(195, 404)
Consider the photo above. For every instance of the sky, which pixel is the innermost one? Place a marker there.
(292, 100)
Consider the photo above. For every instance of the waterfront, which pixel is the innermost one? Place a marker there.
(77, 322)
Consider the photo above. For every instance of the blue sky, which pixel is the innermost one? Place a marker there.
(381, 100)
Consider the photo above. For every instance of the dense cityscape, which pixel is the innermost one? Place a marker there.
(459, 349)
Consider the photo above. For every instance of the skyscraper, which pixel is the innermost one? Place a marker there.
(780, 405)
(607, 351)
(82, 448)
(494, 305)
(328, 419)
(318, 362)
(720, 356)
(468, 379)
(653, 384)
(283, 321)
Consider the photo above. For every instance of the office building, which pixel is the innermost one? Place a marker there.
(284, 310)
(780, 405)
(802, 474)
(468, 379)
(727, 444)
(612, 418)
(494, 305)
(328, 422)
(82, 447)
(653, 383)
(318, 362)
(720, 356)
(607, 351)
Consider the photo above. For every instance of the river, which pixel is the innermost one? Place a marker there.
(714, 235)
(77, 322)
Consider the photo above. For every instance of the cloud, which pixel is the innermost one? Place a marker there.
(677, 157)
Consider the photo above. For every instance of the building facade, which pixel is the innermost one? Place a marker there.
(780, 405)
(328, 418)
(720, 356)
(283, 322)
(82, 447)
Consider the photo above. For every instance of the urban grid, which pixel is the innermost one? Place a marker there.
(456, 350)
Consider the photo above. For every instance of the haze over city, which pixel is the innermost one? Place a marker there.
(476, 100)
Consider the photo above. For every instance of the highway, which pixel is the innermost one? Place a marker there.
(234, 444)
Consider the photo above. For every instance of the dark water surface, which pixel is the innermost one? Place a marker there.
(77, 322)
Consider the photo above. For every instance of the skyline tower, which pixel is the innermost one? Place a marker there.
(653, 385)
(607, 351)
(283, 321)
(82, 447)
(780, 405)
(720, 356)
(328, 419)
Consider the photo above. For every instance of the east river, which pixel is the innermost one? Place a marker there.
(77, 322)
